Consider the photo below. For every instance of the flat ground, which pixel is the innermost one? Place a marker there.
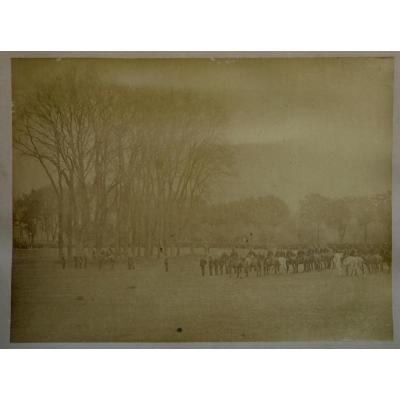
(50, 304)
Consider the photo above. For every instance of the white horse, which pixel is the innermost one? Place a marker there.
(282, 265)
(337, 264)
(353, 265)
(250, 262)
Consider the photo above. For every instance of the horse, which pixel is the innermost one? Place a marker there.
(308, 262)
(317, 262)
(239, 267)
(374, 262)
(250, 263)
(283, 266)
(327, 259)
(292, 261)
(271, 263)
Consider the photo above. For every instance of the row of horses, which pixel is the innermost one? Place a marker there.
(259, 263)
(290, 261)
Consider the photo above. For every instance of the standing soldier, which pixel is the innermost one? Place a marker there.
(86, 253)
(79, 254)
(221, 266)
(101, 254)
(203, 264)
(216, 266)
(210, 265)
(166, 263)
(131, 263)
(234, 253)
(111, 256)
(94, 254)
(75, 257)
(122, 255)
(63, 260)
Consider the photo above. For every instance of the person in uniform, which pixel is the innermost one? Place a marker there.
(121, 255)
(94, 254)
(216, 266)
(131, 262)
(102, 256)
(111, 256)
(210, 266)
(203, 263)
(86, 254)
(234, 253)
(166, 263)
(75, 257)
(62, 259)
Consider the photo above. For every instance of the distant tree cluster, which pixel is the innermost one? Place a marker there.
(127, 166)
(35, 218)
(354, 219)
(267, 221)
(239, 223)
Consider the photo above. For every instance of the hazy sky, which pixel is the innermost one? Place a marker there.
(331, 105)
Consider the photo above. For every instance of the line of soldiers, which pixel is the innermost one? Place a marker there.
(348, 260)
(82, 256)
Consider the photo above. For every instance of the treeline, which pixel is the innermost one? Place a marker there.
(125, 165)
(318, 220)
(352, 219)
(252, 222)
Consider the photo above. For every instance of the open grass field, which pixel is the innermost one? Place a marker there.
(50, 304)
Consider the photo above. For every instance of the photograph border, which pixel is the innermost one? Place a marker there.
(6, 204)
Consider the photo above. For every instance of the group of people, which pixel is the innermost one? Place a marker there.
(106, 256)
(345, 260)
(81, 256)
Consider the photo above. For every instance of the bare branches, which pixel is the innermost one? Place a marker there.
(146, 153)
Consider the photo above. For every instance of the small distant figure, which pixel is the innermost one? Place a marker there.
(337, 263)
(94, 254)
(234, 253)
(78, 260)
(75, 257)
(131, 262)
(216, 267)
(122, 254)
(203, 264)
(62, 259)
(102, 257)
(166, 264)
(111, 256)
(85, 257)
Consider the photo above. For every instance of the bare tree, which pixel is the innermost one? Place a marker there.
(133, 162)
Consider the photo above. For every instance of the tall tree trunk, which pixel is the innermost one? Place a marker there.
(70, 225)
(60, 230)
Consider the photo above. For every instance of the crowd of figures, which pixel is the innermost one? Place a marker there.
(105, 256)
(345, 260)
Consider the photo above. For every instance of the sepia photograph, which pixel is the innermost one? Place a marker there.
(202, 199)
